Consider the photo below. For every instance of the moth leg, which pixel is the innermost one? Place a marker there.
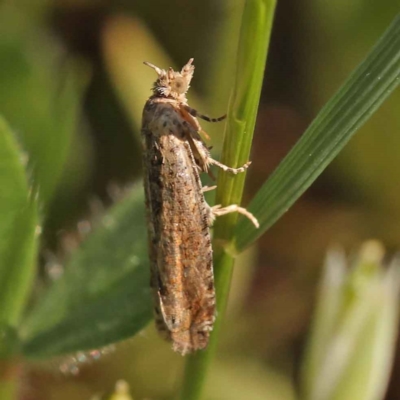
(172, 322)
(225, 168)
(208, 188)
(217, 211)
(202, 154)
(199, 149)
(159, 317)
(187, 116)
(195, 113)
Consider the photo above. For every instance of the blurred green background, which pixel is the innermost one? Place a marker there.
(76, 66)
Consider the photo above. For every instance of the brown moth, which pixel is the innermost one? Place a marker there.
(178, 216)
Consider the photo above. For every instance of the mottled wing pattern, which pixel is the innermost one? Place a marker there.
(179, 238)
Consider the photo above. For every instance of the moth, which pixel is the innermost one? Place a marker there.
(178, 216)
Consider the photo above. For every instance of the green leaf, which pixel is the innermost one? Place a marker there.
(13, 182)
(18, 238)
(365, 90)
(104, 294)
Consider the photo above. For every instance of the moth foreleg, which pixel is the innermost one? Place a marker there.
(195, 113)
(202, 154)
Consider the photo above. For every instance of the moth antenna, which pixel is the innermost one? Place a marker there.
(188, 65)
(158, 70)
(188, 69)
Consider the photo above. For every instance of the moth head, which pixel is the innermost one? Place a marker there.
(172, 84)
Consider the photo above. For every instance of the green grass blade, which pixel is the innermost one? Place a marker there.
(18, 240)
(365, 90)
(104, 295)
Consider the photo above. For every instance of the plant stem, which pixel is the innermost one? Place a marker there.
(252, 52)
(197, 364)
(8, 380)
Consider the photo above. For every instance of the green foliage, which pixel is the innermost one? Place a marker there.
(40, 101)
(39, 98)
(103, 296)
(354, 331)
(365, 90)
(19, 219)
